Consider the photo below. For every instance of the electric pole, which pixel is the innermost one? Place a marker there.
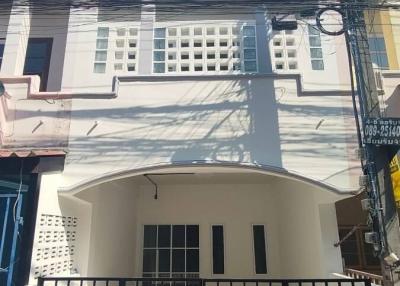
(383, 218)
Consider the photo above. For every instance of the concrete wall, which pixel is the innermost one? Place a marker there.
(258, 120)
(112, 246)
(252, 119)
(28, 122)
(55, 27)
(308, 230)
(52, 253)
(24, 24)
(255, 120)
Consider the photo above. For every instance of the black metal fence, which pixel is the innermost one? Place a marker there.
(112, 281)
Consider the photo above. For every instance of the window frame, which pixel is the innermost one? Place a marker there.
(243, 49)
(170, 274)
(378, 53)
(2, 42)
(164, 37)
(44, 76)
(265, 247)
(314, 33)
(212, 249)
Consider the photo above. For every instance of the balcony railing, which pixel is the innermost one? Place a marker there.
(112, 281)
(375, 279)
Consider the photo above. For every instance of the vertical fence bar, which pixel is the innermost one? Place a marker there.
(3, 233)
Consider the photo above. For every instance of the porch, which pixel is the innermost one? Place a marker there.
(182, 225)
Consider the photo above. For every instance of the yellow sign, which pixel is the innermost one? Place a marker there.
(395, 174)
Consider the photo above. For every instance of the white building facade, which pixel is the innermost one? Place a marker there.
(196, 145)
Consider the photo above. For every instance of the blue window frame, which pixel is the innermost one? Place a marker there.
(378, 53)
(37, 60)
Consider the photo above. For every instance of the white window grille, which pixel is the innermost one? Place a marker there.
(283, 51)
(204, 48)
(116, 46)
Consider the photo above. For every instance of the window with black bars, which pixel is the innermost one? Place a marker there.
(171, 251)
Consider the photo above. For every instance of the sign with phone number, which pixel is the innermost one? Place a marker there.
(382, 131)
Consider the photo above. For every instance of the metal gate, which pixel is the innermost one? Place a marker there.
(11, 198)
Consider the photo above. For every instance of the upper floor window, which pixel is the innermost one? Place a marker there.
(2, 44)
(316, 55)
(377, 49)
(249, 49)
(159, 50)
(205, 48)
(37, 61)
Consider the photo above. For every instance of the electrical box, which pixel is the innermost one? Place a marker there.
(283, 24)
(371, 237)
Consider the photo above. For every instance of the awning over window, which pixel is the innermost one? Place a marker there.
(6, 153)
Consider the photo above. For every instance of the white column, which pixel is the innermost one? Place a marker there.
(146, 39)
(16, 40)
(331, 255)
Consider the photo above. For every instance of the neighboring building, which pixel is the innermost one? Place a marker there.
(383, 34)
(195, 145)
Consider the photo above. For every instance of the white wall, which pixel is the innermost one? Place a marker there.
(113, 229)
(57, 207)
(55, 27)
(32, 123)
(255, 120)
(308, 230)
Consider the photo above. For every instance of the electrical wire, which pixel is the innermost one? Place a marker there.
(199, 6)
(19, 192)
(353, 93)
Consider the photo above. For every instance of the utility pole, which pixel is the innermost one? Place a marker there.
(383, 217)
